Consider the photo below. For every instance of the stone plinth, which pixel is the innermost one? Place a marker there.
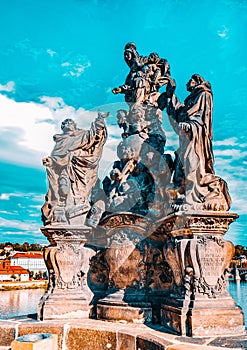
(67, 260)
(127, 297)
(114, 308)
(199, 304)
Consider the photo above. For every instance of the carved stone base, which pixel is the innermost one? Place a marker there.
(114, 308)
(63, 305)
(67, 260)
(217, 317)
(198, 303)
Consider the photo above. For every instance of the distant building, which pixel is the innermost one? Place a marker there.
(7, 272)
(30, 261)
(8, 248)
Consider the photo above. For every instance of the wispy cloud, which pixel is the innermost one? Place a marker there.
(4, 196)
(9, 87)
(223, 32)
(51, 52)
(226, 142)
(18, 224)
(74, 70)
(28, 128)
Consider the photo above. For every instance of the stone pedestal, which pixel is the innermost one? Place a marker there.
(199, 304)
(127, 298)
(115, 307)
(67, 260)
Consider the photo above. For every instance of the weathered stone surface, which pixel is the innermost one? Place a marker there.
(191, 347)
(88, 339)
(35, 342)
(230, 342)
(65, 306)
(55, 328)
(7, 331)
(216, 321)
(93, 335)
(72, 172)
(151, 342)
(124, 313)
(126, 341)
(199, 304)
(67, 260)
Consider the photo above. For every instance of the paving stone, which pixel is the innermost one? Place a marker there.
(231, 342)
(7, 332)
(151, 342)
(126, 341)
(88, 339)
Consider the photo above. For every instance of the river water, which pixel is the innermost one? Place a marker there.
(23, 302)
(19, 302)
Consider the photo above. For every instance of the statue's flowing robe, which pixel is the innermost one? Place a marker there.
(194, 163)
(75, 157)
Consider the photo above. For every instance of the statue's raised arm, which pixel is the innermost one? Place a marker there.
(72, 171)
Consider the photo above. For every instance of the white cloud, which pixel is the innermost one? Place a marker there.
(16, 224)
(28, 127)
(9, 87)
(26, 117)
(4, 196)
(75, 69)
(233, 153)
(227, 142)
(223, 32)
(51, 52)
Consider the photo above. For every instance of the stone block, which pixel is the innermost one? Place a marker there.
(126, 341)
(209, 321)
(89, 339)
(215, 317)
(66, 306)
(230, 342)
(192, 347)
(43, 327)
(35, 342)
(124, 313)
(7, 331)
(151, 342)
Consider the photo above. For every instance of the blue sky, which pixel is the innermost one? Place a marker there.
(62, 58)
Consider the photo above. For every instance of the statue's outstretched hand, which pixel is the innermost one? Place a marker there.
(185, 126)
(103, 115)
(47, 161)
(116, 91)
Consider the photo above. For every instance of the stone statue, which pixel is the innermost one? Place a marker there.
(149, 244)
(72, 171)
(194, 176)
(130, 185)
(146, 76)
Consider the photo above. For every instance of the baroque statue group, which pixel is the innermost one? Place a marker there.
(145, 243)
(145, 179)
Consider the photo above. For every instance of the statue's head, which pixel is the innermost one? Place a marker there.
(68, 125)
(131, 46)
(121, 117)
(130, 148)
(153, 58)
(130, 54)
(196, 80)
